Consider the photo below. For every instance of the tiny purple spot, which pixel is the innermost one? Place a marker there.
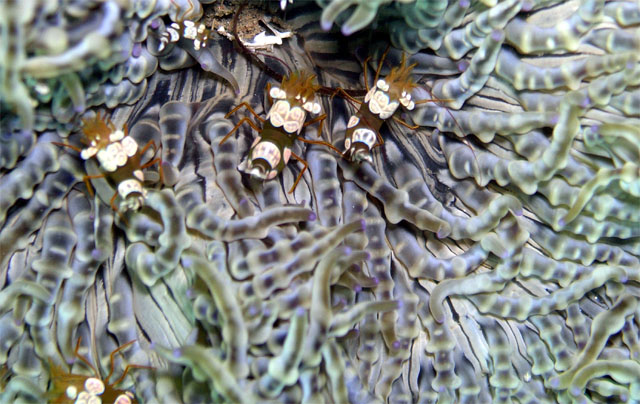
(244, 202)
(347, 250)
(78, 108)
(441, 234)
(396, 344)
(400, 303)
(631, 65)
(554, 383)
(367, 255)
(205, 66)
(357, 288)
(586, 102)
(463, 66)
(554, 119)
(442, 389)
(497, 35)
(300, 311)
(595, 128)
(155, 24)
(346, 30)
(624, 398)
(376, 280)
(363, 224)
(518, 212)
(464, 3)
(527, 6)
(137, 50)
(312, 216)
(152, 345)
(189, 293)
(177, 352)
(267, 312)
(562, 222)
(624, 279)
(186, 262)
(96, 253)
(575, 391)
(326, 25)
(252, 310)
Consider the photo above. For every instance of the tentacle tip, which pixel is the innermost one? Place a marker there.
(252, 311)
(464, 3)
(463, 66)
(497, 35)
(376, 281)
(518, 212)
(367, 255)
(204, 66)
(575, 391)
(357, 288)
(439, 319)
(78, 109)
(347, 250)
(395, 344)
(347, 30)
(300, 311)
(562, 222)
(155, 24)
(96, 254)
(312, 216)
(187, 262)
(189, 293)
(326, 25)
(363, 224)
(554, 383)
(137, 50)
(177, 353)
(442, 233)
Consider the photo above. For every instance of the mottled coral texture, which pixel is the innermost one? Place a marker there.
(491, 255)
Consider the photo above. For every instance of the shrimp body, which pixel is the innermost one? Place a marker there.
(271, 150)
(119, 158)
(380, 104)
(198, 33)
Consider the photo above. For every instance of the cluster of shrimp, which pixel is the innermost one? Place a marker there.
(119, 158)
(80, 389)
(271, 150)
(295, 97)
(380, 104)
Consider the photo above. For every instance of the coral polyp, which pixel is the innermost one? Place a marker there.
(486, 251)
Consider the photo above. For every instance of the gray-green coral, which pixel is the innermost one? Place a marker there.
(491, 255)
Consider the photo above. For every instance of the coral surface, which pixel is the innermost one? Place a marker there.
(490, 254)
